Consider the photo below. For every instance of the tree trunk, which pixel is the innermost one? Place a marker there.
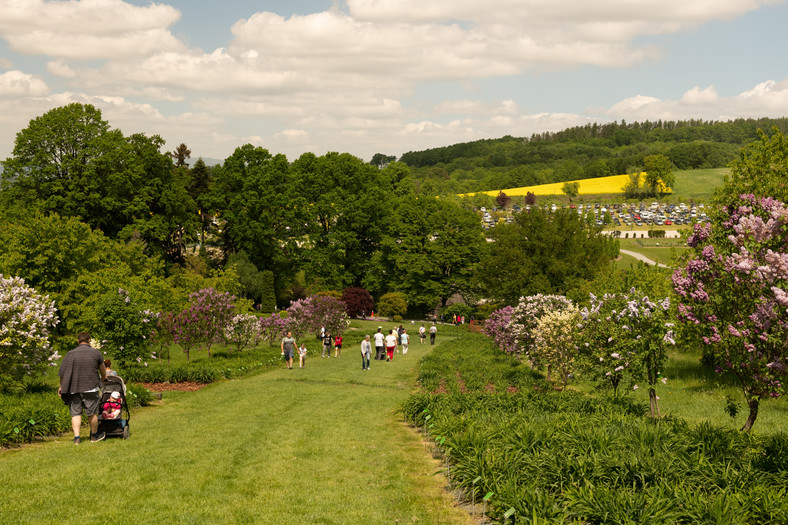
(653, 402)
(753, 404)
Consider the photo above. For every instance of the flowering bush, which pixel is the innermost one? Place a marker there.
(733, 295)
(123, 328)
(526, 315)
(25, 321)
(214, 310)
(625, 337)
(498, 328)
(554, 341)
(243, 331)
(272, 328)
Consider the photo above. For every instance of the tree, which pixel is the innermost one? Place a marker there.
(554, 342)
(346, 203)
(625, 337)
(180, 155)
(733, 295)
(201, 179)
(250, 278)
(69, 162)
(541, 252)
(392, 303)
(260, 214)
(571, 189)
(530, 198)
(659, 174)
(123, 327)
(761, 169)
(268, 296)
(243, 330)
(26, 318)
(380, 160)
(430, 251)
(358, 301)
(502, 200)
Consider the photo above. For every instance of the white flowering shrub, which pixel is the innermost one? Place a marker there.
(26, 318)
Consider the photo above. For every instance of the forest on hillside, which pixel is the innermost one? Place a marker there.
(582, 152)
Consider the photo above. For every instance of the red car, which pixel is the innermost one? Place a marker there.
(668, 222)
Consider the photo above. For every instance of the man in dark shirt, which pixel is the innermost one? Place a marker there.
(79, 377)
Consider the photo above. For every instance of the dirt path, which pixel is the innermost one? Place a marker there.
(641, 257)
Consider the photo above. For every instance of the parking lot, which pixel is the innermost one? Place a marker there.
(614, 215)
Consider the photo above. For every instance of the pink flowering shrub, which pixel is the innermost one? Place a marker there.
(204, 321)
(26, 318)
(733, 295)
(497, 328)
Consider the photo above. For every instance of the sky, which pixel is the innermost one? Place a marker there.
(386, 76)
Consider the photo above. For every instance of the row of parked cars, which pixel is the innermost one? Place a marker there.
(635, 214)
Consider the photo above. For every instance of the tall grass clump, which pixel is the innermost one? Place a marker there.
(567, 457)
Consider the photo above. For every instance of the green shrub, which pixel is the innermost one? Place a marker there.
(138, 396)
(397, 318)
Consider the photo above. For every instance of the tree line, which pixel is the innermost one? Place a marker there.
(582, 152)
(86, 210)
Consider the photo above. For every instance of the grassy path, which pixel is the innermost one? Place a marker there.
(318, 445)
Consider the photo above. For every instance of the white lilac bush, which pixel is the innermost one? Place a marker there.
(26, 318)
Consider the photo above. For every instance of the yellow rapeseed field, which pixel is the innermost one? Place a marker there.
(612, 184)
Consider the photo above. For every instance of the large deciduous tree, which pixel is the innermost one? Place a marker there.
(430, 251)
(68, 161)
(542, 253)
(345, 201)
(659, 173)
(260, 213)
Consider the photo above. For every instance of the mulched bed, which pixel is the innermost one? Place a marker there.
(186, 386)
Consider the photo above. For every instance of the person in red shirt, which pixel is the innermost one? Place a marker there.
(338, 346)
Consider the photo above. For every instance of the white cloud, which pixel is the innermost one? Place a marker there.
(5, 63)
(769, 98)
(61, 69)
(16, 83)
(87, 29)
(700, 96)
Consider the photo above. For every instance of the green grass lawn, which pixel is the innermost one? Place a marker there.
(697, 185)
(660, 250)
(318, 445)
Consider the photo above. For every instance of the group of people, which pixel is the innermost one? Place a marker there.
(385, 345)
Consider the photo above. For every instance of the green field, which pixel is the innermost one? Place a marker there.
(318, 445)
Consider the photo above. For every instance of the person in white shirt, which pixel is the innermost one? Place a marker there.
(379, 338)
(391, 345)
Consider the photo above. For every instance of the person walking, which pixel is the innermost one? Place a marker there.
(404, 339)
(338, 346)
(379, 339)
(366, 351)
(422, 334)
(288, 349)
(433, 331)
(79, 375)
(326, 344)
(391, 344)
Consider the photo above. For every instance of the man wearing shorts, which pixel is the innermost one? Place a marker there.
(79, 377)
(288, 349)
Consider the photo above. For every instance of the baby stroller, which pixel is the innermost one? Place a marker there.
(113, 403)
